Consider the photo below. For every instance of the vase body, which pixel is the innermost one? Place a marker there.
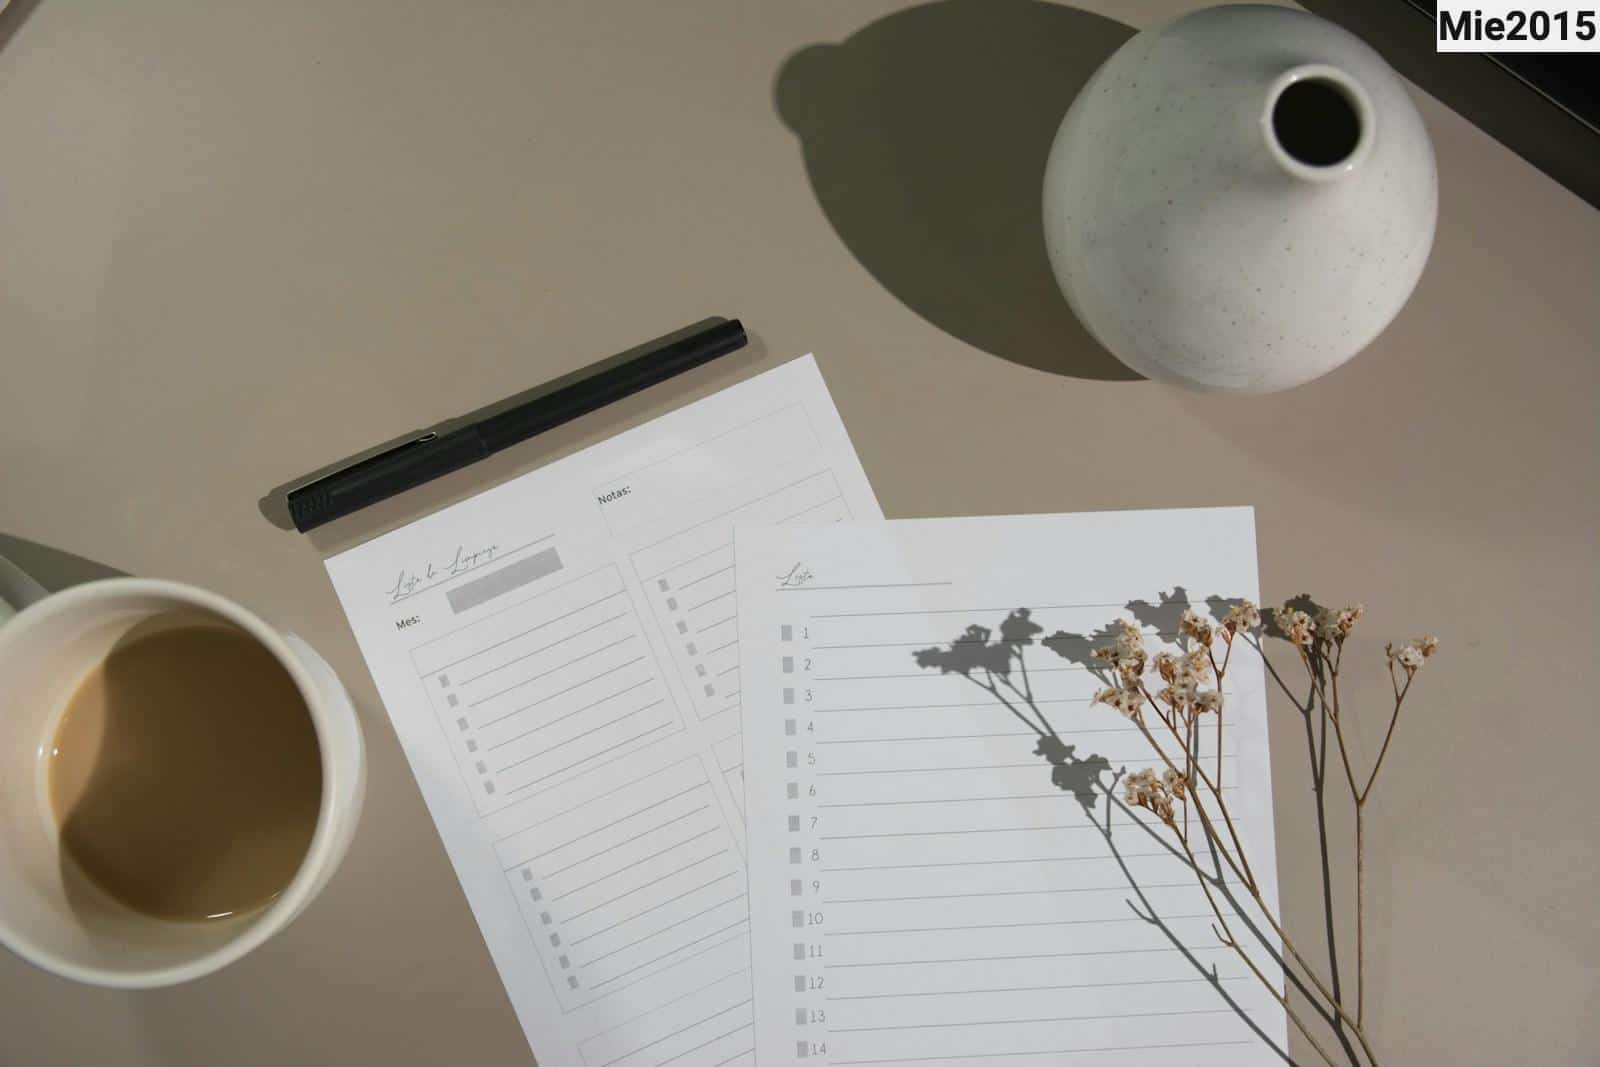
(1240, 199)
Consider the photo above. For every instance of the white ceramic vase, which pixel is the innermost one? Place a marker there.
(1240, 199)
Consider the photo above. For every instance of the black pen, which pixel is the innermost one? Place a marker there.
(439, 452)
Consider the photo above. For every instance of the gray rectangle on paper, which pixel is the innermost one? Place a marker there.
(512, 576)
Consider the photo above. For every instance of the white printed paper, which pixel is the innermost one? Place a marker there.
(559, 656)
(933, 880)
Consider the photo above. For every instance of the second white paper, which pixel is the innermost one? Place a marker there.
(934, 879)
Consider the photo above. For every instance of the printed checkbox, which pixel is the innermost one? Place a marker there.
(700, 670)
(527, 874)
(488, 787)
(795, 887)
(799, 950)
(691, 649)
(788, 665)
(799, 1016)
(797, 918)
(789, 727)
(534, 892)
(788, 696)
(794, 855)
(672, 603)
(483, 768)
(683, 627)
(555, 940)
(450, 698)
(444, 681)
(472, 746)
(786, 633)
(662, 584)
(572, 981)
(791, 759)
(544, 918)
(461, 723)
(710, 690)
(793, 789)
(565, 963)
(799, 983)
(801, 1050)
(794, 824)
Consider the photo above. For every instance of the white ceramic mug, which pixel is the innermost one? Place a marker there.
(46, 648)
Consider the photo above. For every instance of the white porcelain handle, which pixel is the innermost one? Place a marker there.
(17, 590)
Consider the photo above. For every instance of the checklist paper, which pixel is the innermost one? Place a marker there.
(559, 656)
(935, 881)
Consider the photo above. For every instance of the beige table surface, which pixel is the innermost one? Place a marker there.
(241, 241)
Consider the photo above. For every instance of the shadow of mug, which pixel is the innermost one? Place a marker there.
(925, 136)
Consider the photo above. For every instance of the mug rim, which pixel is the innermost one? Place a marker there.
(300, 888)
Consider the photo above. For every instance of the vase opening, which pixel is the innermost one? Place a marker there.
(1318, 121)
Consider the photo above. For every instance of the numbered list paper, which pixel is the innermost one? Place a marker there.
(943, 865)
(559, 657)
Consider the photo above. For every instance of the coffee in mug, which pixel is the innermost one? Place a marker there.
(184, 774)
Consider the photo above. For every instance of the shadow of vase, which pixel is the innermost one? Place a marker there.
(925, 136)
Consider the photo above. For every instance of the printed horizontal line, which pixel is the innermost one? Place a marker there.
(926, 672)
(709, 574)
(937, 707)
(664, 955)
(1011, 926)
(870, 585)
(1123, 888)
(691, 559)
(1027, 956)
(668, 967)
(627, 840)
(587, 834)
(970, 611)
(990, 863)
(568, 715)
(515, 636)
(738, 507)
(552, 670)
(647, 885)
(633, 784)
(543, 648)
(712, 600)
(1043, 988)
(714, 625)
(655, 1008)
(1026, 1022)
(656, 933)
(958, 642)
(579, 737)
(719, 648)
(653, 907)
(1209, 757)
(586, 759)
(712, 1041)
(806, 511)
(1041, 1052)
(668, 1037)
(633, 864)
(562, 692)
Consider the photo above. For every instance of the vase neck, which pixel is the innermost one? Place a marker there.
(1318, 122)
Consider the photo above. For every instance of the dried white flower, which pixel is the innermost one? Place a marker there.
(1126, 700)
(1197, 628)
(1296, 625)
(1414, 653)
(1143, 789)
(1242, 616)
(1210, 700)
(1335, 626)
